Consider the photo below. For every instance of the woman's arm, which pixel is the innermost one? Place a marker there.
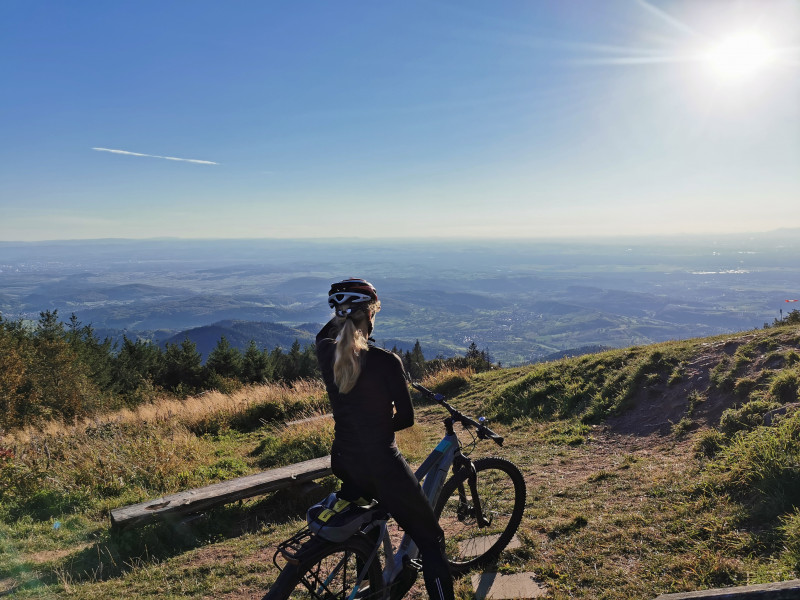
(398, 386)
(328, 331)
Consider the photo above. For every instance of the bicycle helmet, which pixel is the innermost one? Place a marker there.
(351, 291)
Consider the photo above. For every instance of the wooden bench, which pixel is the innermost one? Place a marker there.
(200, 499)
(784, 590)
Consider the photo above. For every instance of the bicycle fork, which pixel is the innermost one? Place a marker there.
(476, 509)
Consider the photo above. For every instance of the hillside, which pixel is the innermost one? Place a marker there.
(650, 469)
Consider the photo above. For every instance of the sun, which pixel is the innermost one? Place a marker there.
(740, 57)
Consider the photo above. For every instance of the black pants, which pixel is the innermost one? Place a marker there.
(383, 474)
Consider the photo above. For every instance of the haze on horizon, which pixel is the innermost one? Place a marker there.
(446, 119)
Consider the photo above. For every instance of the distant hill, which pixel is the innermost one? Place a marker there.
(239, 333)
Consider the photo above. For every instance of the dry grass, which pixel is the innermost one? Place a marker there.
(191, 412)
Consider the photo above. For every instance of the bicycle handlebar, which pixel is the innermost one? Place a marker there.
(482, 430)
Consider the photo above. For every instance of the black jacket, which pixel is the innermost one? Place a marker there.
(377, 406)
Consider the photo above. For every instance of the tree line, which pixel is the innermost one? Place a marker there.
(57, 370)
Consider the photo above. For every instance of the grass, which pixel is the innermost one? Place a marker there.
(589, 387)
(608, 517)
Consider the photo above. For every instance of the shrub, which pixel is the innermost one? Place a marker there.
(709, 443)
(722, 374)
(749, 416)
(693, 400)
(760, 468)
(683, 427)
(744, 386)
(448, 381)
(677, 374)
(51, 475)
(785, 386)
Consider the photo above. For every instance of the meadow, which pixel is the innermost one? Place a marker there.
(651, 469)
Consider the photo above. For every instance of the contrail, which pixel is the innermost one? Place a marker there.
(190, 160)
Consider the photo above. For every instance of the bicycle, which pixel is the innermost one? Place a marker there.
(479, 508)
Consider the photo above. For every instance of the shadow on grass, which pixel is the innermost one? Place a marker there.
(115, 553)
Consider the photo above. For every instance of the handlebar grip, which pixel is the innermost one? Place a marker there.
(486, 433)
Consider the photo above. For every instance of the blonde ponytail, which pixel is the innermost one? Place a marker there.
(350, 342)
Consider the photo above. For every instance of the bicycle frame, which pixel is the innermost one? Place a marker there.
(434, 471)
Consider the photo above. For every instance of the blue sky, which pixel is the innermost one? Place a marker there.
(397, 119)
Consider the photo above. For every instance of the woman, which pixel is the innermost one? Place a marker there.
(370, 401)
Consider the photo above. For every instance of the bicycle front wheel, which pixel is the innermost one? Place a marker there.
(501, 494)
(329, 571)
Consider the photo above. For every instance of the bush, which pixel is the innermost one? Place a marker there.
(709, 443)
(52, 475)
(749, 416)
(785, 387)
(722, 374)
(744, 386)
(760, 468)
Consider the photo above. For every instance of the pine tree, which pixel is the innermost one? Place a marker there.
(58, 384)
(309, 366)
(416, 362)
(294, 362)
(278, 364)
(97, 356)
(182, 368)
(255, 365)
(136, 365)
(225, 360)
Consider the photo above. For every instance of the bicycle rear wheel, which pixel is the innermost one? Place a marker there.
(329, 571)
(501, 493)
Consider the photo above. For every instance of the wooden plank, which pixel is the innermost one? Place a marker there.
(199, 499)
(784, 590)
(310, 419)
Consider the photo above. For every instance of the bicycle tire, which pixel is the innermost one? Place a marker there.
(327, 571)
(501, 492)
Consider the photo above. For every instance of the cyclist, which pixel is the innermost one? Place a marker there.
(370, 400)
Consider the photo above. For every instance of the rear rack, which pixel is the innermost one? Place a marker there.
(290, 549)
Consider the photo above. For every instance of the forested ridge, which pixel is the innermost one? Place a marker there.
(56, 370)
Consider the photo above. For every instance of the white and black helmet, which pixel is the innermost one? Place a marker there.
(351, 291)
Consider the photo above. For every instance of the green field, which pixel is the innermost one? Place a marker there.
(650, 469)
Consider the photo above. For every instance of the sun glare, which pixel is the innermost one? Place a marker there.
(740, 57)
